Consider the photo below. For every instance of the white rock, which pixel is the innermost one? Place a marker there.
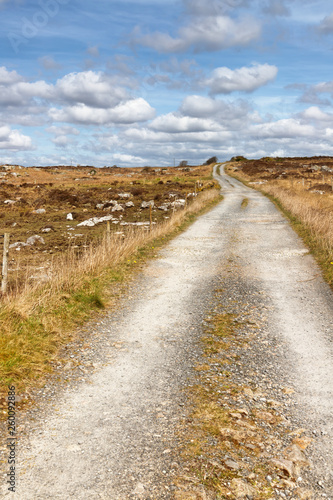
(147, 204)
(9, 202)
(95, 220)
(40, 211)
(35, 239)
(129, 204)
(164, 207)
(117, 208)
(100, 206)
(124, 195)
(69, 217)
(18, 245)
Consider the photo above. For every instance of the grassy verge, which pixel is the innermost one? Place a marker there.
(310, 217)
(40, 319)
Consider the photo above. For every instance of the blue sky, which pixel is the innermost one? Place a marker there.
(145, 82)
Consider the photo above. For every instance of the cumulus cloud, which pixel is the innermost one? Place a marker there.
(94, 89)
(316, 114)
(209, 33)
(175, 123)
(246, 79)
(13, 140)
(286, 128)
(131, 111)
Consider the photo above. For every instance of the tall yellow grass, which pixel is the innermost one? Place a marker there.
(314, 210)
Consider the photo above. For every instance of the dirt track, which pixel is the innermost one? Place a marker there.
(113, 435)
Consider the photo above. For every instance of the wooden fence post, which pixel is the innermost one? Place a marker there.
(150, 217)
(5, 263)
(108, 233)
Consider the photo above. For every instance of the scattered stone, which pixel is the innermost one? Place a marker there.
(69, 217)
(124, 195)
(248, 392)
(232, 464)
(164, 207)
(100, 206)
(95, 220)
(117, 208)
(9, 202)
(147, 204)
(129, 204)
(266, 416)
(35, 239)
(304, 494)
(285, 466)
(303, 442)
(179, 203)
(296, 455)
(39, 211)
(18, 245)
(242, 489)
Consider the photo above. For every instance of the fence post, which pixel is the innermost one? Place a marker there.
(150, 217)
(108, 233)
(5, 263)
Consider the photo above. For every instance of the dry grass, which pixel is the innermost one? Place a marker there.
(40, 318)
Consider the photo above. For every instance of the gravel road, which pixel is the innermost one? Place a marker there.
(112, 433)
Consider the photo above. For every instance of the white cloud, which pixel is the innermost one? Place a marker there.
(94, 89)
(13, 140)
(208, 33)
(316, 114)
(200, 106)
(9, 77)
(175, 123)
(246, 79)
(131, 111)
(284, 129)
